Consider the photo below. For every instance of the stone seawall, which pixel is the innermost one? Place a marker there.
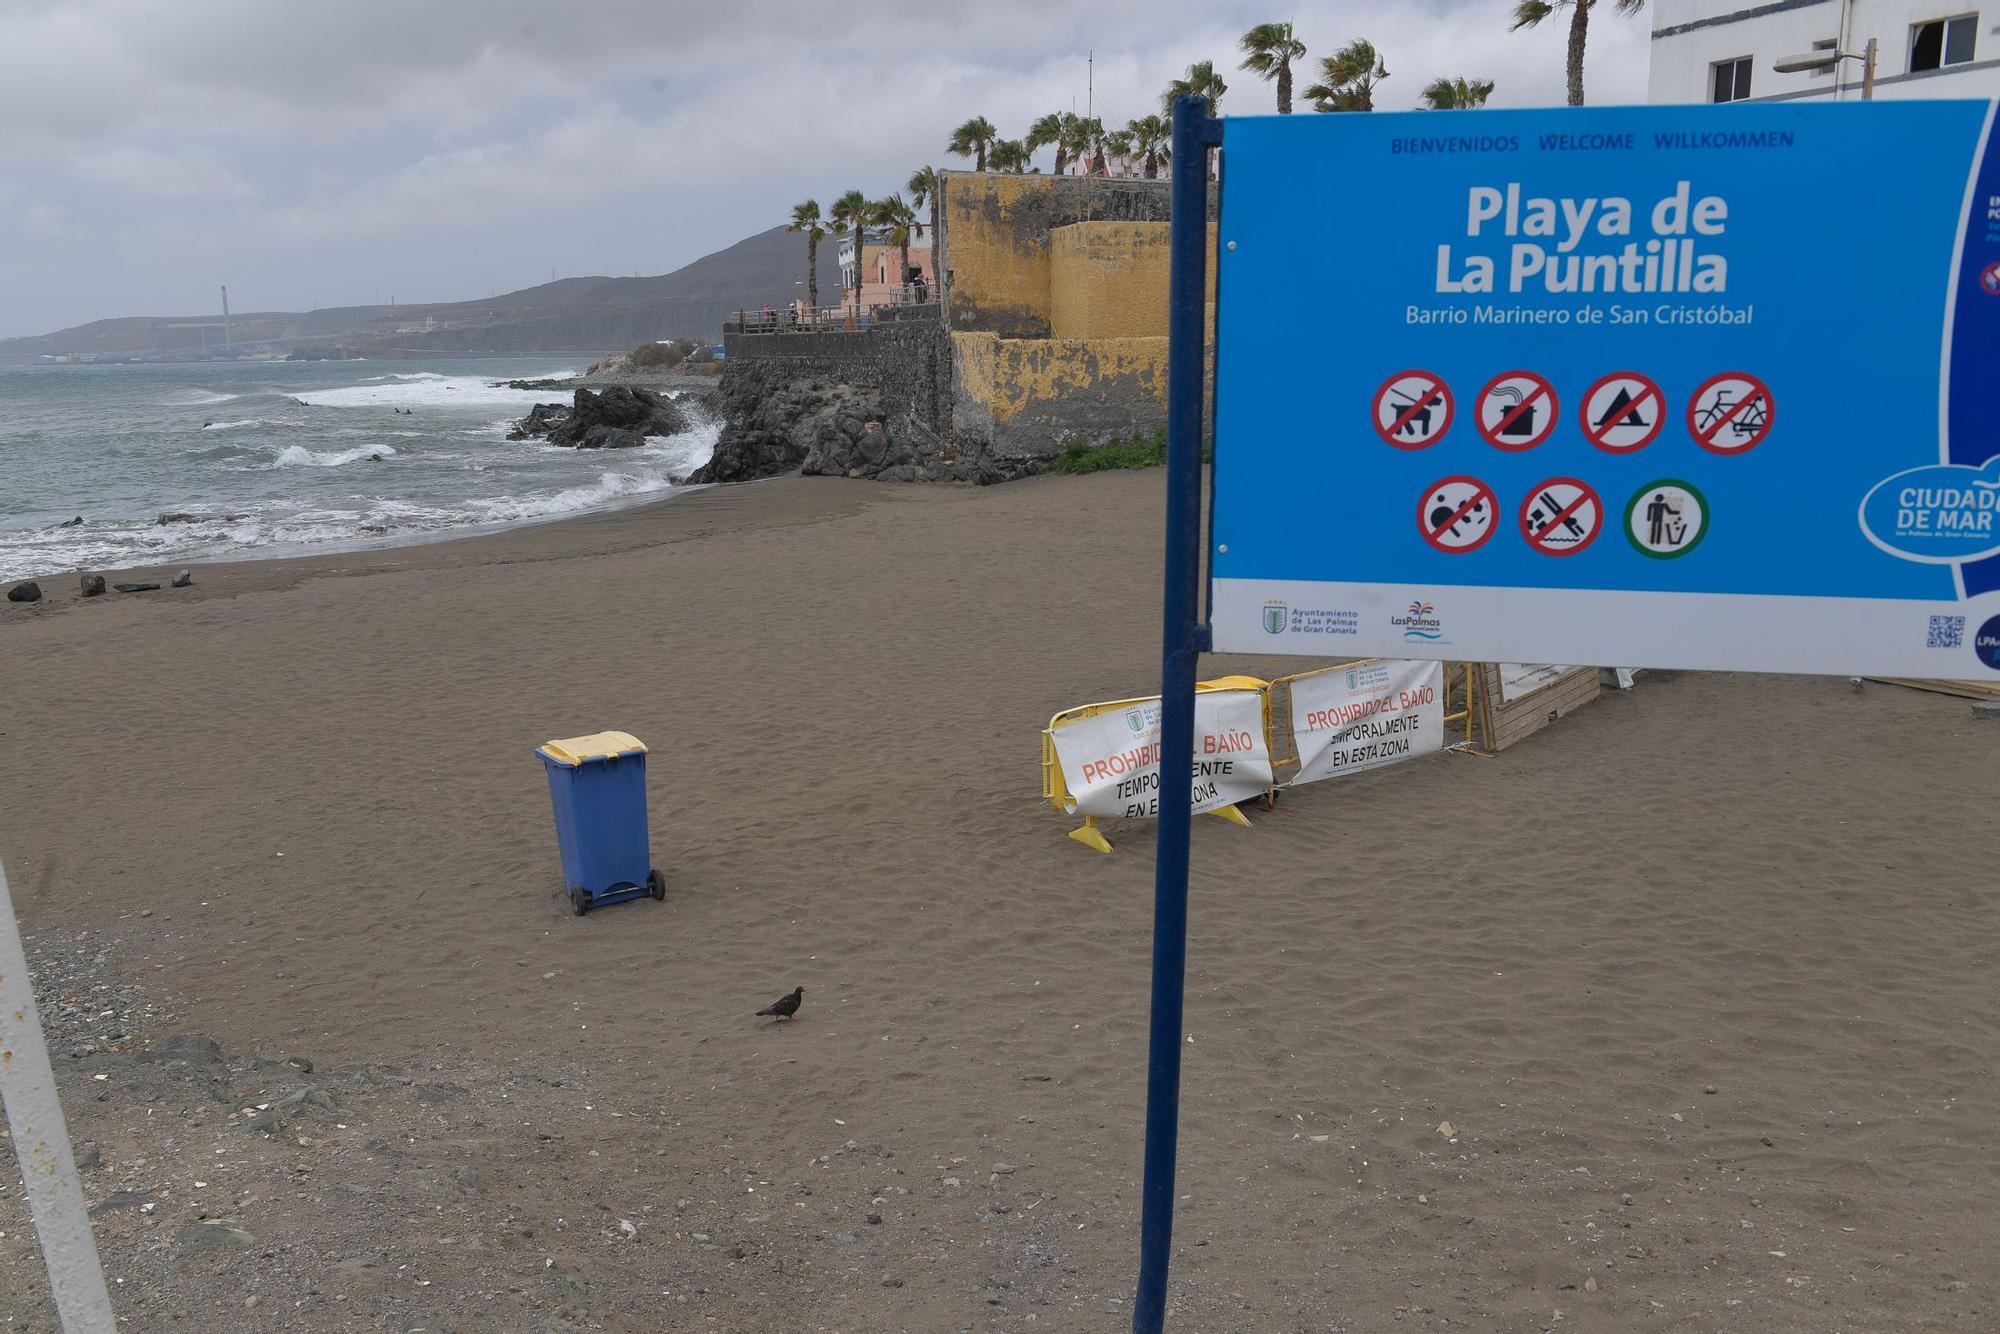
(873, 403)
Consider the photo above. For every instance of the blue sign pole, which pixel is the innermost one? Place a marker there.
(1182, 637)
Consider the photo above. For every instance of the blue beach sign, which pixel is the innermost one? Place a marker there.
(1698, 387)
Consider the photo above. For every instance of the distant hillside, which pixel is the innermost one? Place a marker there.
(574, 314)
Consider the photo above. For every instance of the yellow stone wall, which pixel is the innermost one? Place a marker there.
(999, 268)
(1108, 280)
(1010, 377)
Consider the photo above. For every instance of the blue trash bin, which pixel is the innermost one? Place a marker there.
(598, 786)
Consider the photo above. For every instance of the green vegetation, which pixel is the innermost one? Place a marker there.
(1141, 451)
(660, 356)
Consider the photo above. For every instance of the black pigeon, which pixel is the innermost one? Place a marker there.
(785, 1006)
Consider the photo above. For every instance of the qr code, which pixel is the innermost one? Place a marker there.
(1946, 632)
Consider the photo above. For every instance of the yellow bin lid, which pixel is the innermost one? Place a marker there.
(597, 746)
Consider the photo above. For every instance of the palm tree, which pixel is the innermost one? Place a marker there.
(805, 218)
(971, 140)
(1090, 134)
(1348, 78)
(1076, 138)
(1010, 155)
(1269, 49)
(1118, 143)
(850, 217)
(1201, 81)
(1456, 94)
(923, 188)
(1150, 136)
(1528, 13)
(1052, 129)
(897, 218)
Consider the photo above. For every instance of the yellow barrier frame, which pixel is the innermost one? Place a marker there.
(1056, 791)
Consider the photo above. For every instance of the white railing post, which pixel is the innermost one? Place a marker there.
(41, 1144)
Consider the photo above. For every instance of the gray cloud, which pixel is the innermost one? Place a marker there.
(310, 154)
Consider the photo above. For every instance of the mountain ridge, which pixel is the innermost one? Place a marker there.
(599, 313)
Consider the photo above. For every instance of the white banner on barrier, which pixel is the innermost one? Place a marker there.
(1518, 680)
(1111, 760)
(1365, 716)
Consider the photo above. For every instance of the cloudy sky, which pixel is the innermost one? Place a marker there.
(314, 154)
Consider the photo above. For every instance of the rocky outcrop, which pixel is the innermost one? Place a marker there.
(26, 591)
(616, 417)
(775, 424)
(93, 585)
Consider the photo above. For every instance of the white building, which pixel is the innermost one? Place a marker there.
(1724, 50)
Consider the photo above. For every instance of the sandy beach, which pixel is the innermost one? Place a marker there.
(1700, 980)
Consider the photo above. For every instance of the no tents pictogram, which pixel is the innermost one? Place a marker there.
(1517, 411)
(1413, 409)
(1623, 412)
(1731, 413)
(1456, 514)
(1561, 517)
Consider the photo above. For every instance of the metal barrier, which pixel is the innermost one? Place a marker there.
(826, 319)
(1056, 791)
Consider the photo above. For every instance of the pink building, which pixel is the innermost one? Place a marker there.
(879, 281)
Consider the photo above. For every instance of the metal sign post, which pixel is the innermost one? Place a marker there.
(1182, 638)
(41, 1144)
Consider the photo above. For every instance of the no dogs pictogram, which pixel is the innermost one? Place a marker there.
(1413, 409)
(1623, 412)
(1517, 411)
(1561, 517)
(1456, 514)
(1731, 413)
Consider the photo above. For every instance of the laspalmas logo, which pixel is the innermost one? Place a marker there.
(1420, 622)
(1275, 615)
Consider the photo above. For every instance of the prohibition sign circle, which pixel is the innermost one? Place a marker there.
(1989, 278)
(1522, 409)
(1456, 514)
(1623, 412)
(1413, 409)
(1731, 413)
(1574, 516)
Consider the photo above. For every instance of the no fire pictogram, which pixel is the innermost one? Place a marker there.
(1623, 412)
(1731, 413)
(1413, 409)
(1456, 514)
(1561, 517)
(1517, 411)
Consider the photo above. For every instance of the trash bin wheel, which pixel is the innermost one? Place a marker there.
(656, 885)
(579, 902)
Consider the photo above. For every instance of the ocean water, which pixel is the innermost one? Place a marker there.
(278, 459)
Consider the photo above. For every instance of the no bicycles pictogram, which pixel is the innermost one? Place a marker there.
(1413, 409)
(1517, 411)
(1456, 514)
(1731, 413)
(1561, 517)
(1623, 412)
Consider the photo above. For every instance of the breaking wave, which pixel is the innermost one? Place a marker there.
(298, 456)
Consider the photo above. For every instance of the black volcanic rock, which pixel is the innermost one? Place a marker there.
(616, 417)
